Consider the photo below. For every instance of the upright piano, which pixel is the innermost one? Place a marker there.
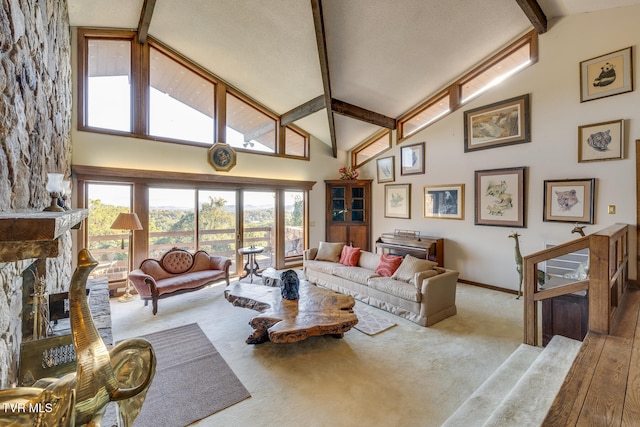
(403, 242)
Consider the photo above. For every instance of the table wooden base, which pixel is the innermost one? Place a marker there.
(318, 311)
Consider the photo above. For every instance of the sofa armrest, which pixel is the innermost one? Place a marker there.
(220, 263)
(145, 284)
(309, 254)
(439, 292)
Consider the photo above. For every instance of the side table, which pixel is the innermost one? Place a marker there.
(251, 266)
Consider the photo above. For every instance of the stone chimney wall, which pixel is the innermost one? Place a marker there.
(35, 138)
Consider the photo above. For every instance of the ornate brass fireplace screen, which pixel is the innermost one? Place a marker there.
(122, 374)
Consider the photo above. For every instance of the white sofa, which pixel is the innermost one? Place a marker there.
(418, 291)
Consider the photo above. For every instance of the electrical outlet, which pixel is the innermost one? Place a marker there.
(611, 209)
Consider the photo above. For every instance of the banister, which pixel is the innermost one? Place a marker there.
(608, 269)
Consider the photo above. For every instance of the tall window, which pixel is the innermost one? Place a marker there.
(108, 94)
(181, 103)
(293, 223)
(172, 220)
(217, 223)
(259, 224)
(105, 202)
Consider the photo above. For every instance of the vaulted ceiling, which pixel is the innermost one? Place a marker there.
(373, 59)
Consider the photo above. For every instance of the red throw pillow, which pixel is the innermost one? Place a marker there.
(388, 264)
(350, 256)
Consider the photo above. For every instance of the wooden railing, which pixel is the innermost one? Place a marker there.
(607, 280)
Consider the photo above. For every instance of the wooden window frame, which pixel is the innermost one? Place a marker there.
(455, 89)
(140, 57)
(375, 137)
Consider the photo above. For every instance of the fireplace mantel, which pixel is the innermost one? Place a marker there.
(26, 235)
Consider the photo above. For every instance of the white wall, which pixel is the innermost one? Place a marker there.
(484, 253)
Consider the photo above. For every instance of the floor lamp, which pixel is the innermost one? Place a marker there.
(130, 222)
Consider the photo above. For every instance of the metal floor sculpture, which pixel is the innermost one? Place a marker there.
(122, 374)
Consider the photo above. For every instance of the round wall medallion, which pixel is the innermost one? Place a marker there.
(222, 156)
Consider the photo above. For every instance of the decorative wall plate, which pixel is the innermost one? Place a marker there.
(222, 156)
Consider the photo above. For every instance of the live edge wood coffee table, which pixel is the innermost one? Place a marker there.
(317, 312)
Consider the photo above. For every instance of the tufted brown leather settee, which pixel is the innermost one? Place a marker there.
(178, 271)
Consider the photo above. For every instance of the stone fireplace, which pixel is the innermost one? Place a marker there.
(35, 129)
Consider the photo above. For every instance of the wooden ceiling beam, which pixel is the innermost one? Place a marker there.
(359, 113)
(308, 108)
(145, 20)
(534, 12)
(321, 41)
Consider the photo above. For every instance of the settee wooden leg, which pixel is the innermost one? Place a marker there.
(155, 306)
(146, 302)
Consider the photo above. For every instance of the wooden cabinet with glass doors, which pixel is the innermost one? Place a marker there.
(349, 212)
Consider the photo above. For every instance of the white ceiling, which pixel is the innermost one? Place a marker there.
(383, 55)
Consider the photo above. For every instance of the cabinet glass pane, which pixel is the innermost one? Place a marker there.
(337, 193)
(357, 192)
(357, 216)
(357, 204)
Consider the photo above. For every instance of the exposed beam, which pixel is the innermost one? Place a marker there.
(309, 107)
(360, 113)
(534, 12)
(145, 20)
(318, 23)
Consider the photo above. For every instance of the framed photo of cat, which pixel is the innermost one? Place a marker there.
(569, 200)
(601, 141)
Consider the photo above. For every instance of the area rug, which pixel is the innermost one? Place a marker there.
(192, 380)
(370, 323)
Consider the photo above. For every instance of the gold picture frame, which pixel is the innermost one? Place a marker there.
(444, 201)
(500, 197)
(569, 200)
(397, 201)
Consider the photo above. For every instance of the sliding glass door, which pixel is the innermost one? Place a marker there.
(217, 231)
(259, 225)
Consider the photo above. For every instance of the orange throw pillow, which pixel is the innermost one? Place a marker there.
(388, 264)
(350, 256)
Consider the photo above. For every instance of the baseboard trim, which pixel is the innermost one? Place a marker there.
(484, 285)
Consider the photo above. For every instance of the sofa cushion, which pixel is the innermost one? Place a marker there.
(192, 280)
(388, 264)
(349, 256)
(355, 274)
(410, 266)
(368, 260)
(177, 261)
(323, 266)
(329, 251)
(396, 288)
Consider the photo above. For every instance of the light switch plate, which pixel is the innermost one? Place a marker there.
(611, 209)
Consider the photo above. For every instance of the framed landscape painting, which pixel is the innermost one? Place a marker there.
(606, 75)
(500, 197)
(502, 123)
(444, 201)
(397, 201)
(569, 200)
(601, 141)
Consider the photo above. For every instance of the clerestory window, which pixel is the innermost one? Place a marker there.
(150, 91)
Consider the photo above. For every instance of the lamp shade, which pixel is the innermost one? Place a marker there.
(126, 221)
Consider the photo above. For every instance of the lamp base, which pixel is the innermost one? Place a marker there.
(126, 297)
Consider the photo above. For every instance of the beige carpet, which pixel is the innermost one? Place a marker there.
(407, 376)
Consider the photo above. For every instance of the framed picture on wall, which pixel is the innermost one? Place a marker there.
(412, 159)
(397, 201)
(601, 141)
(444, 201)
(606, 75)
(569, 200)
(502, 123)
(386, 169)
(500, 197)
